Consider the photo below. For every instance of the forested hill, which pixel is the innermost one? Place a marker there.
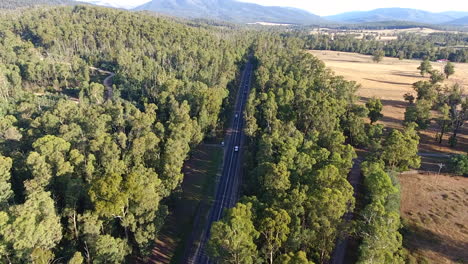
(231, 10)
(459, 21)
(396, 14)
(82, 178)
(12, 4)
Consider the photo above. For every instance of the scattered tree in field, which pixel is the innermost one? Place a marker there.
(459, 164)
(459, 115)
(418, 113)
(400, 150)
(458, 110)
(449, 69)
(436, 76)
(425, 67)
(374, 106)
(443, 121)
(232, 238)
(425, 90)
(409, 98)
(377, 56)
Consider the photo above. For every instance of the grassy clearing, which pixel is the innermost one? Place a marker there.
(193, 200)
(435, 217)
(389, 81)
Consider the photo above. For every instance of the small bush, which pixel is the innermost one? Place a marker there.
(459, 164)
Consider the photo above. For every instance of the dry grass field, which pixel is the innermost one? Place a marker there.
(435, 216)
(389, 80)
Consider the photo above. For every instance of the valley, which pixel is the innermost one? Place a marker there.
(230, 132)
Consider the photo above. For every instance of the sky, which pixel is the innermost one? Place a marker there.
(332, 7)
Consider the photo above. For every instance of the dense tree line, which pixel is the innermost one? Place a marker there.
(84, 180)
(434, 46)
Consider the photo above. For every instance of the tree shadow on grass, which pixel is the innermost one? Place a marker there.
(416, 237)
(350, 61)
(407, 74)
(385, 102)
(388, 82)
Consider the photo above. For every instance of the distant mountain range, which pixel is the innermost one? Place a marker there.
(459, 22)
(397, 14)
(231, 10)
(235, 11)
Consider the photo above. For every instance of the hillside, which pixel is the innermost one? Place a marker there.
(395, 14)
(12, 4)
(459, 21)
(231, 10)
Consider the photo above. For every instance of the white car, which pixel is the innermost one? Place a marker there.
(236, 116)
(222, 143)
(236, 148)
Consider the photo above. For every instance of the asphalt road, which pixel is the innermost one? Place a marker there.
(228, 185)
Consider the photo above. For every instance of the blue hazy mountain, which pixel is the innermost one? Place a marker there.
(397, 14)
(231, 10)
(463, 21)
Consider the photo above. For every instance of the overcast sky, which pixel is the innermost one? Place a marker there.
(332, 7)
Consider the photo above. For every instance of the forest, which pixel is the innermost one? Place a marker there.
(82, 175)
(85, 174)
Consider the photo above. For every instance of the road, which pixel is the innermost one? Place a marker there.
(227, 189)
(109, 93)
(355, 179)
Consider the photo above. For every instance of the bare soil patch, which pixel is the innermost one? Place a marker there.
(389, 80)
(434, 210)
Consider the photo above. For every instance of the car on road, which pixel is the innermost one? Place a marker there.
(236, 116)
(222, 143)
(236, 148)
